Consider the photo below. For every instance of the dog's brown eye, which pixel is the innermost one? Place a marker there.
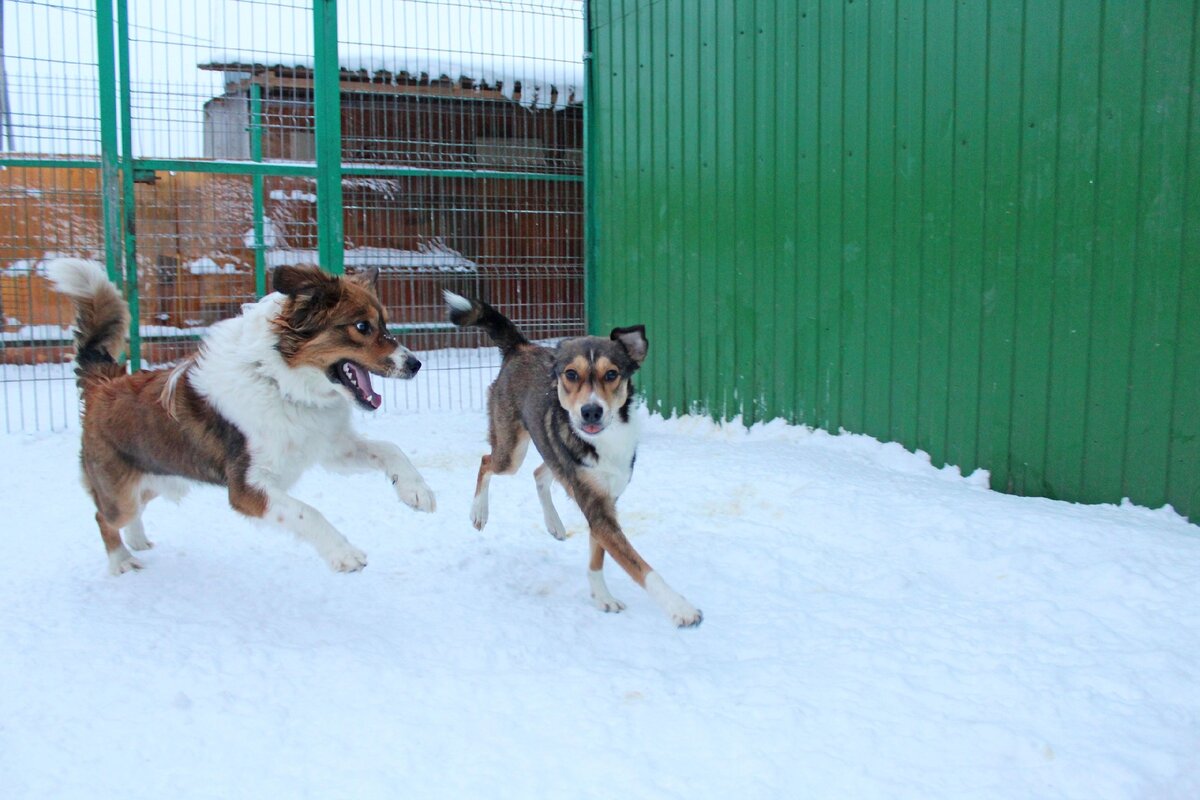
(611, 375)
(363, 327)
(571, 375)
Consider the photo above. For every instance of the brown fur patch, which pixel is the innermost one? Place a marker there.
(319, 324)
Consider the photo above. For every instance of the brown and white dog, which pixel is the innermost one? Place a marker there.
(574, 402)
(268, 395)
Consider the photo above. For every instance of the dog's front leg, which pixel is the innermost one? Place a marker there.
(360, 455)
(307, 523)
(607, 536)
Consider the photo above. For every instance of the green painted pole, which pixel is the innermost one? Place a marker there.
(110, 177)
(130, 211)
(328, 113)
(589, 180)
(50, 163)
(256, 154)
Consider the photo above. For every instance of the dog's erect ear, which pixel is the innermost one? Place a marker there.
(634, 341)
(302, 281)
(369, 278)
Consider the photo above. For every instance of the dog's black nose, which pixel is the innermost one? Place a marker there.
(591, 413)
(412, 365)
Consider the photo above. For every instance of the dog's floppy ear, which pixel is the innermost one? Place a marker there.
(369, 278)
(302, 281)
(634, 341)
(313, 293)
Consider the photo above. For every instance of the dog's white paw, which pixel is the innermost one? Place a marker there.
(609, 604)
(137, 540)
(417, 496)
(689, 618)
(601, 597)
(556, 528)
(479, 512)
(121, 561)
(681, 612)
(346, 558)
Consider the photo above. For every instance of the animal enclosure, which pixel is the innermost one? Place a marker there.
(193, 149)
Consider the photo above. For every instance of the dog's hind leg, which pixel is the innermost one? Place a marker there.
(114, 510)
(544, 478)
(135, 534)
(508, 452)
(113, 486)
(135, 531)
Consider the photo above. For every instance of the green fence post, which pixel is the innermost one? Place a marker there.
(328, 113)
(589, 199)
(256, 154)
(110, 187)
(130, 227)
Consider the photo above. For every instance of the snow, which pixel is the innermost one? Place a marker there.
(496, 43)
(431, 256)
(37, 333)
(269, 234)
(874, 627)
(206, 266)
(295, 194)
(30, 266)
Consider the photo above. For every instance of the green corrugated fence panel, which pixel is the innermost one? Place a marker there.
(970, 227)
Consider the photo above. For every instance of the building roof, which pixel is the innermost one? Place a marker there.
(530, 52)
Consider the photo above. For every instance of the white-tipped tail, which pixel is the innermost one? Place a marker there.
(101, 316)
(456, 301)
(76, 277)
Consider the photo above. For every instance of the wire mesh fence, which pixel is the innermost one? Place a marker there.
(460, 166)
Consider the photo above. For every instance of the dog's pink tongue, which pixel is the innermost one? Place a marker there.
(360, 380)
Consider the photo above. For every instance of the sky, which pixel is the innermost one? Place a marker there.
(51, 55)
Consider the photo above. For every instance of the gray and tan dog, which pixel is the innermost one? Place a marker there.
(574, 402)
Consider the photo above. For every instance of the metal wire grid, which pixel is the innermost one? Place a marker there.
(43, 212)
(515, 241)
(460, 86)
(51, 73)
(195, 263)
(180, 95)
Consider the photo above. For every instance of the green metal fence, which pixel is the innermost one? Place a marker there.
(969, 227)
(193, 147)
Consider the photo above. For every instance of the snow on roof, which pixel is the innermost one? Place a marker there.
(432, 256)
(494, 43)
(33, 266)
(206, 266)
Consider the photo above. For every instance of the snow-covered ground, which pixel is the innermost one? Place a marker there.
(874, 627)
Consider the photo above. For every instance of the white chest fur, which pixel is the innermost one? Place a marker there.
(290, 417)
(615, 450)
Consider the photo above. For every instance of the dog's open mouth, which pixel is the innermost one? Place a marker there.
(358, 381)
(591, 428)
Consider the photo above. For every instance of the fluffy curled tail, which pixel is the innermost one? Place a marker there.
(467, 313)
(101, 316)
